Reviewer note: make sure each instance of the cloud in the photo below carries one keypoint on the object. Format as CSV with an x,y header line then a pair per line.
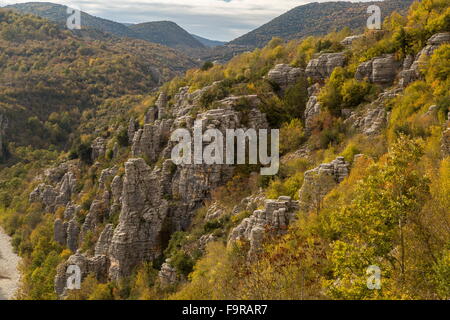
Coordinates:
x,y
214,19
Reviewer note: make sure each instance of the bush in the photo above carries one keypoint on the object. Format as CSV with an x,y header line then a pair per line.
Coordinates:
x,y
291,136
207,65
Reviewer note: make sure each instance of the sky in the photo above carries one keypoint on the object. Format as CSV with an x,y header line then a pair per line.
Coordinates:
x,y
213,19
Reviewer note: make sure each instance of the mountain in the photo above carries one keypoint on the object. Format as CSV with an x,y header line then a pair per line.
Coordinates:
x,y
208,42
362,185
57,13
318,19
166,33
46,69
161,32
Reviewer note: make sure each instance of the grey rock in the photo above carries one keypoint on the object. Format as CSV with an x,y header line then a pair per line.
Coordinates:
x,y
98,148
60,232
348,41
132,127
319,181
412,69
73,232
381,70
96,265
284,75
149,141
167,275
313,107
104,241
322,65
273,220
161,105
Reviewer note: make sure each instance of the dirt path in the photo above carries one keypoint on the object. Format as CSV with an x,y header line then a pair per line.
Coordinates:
x,y
9,275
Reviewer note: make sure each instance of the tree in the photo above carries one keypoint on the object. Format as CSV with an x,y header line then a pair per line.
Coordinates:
x,y
372,227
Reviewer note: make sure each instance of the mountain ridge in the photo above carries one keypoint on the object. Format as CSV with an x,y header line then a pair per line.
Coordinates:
x,y
316,18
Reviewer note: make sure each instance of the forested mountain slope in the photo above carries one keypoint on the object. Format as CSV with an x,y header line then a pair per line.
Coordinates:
x,y
363,180
49,77
318,19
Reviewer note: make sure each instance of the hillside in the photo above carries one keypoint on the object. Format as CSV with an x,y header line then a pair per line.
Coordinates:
x,y
318,19
362,186
49,77
57,13
162,32
166,33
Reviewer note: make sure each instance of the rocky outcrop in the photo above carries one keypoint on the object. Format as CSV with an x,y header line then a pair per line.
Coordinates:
x,y
168,275
274,219
381,70
156,201
348,41
98,148
412,66
132,127
313,107
372,118
161,106
60,232
97,266
369,121
322,65
319,181
215,211
149,141
284,75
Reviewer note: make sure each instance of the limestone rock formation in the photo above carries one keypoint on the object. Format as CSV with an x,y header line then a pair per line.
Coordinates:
x,y
284,75
60,232
156,201
348,41
96,265
98,148
319,181
369,121
313,107
412,66
167,275
149,141
373,118
161,105
215,211
322,65
132,127
381,70
273,219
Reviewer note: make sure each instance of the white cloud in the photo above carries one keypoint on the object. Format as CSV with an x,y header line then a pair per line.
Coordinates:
x,y
214,19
